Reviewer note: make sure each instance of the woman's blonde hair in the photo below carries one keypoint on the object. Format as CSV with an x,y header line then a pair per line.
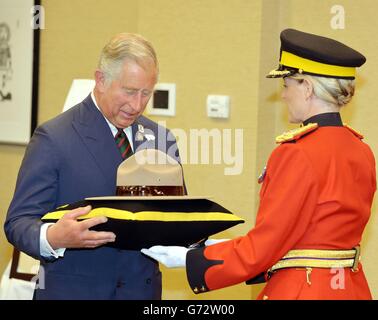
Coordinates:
x,y
126,46
331,90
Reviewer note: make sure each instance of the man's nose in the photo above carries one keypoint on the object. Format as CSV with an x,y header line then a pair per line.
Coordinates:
x,y
137,102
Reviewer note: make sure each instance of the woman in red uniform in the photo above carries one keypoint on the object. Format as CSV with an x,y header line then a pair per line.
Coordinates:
x,y
316,192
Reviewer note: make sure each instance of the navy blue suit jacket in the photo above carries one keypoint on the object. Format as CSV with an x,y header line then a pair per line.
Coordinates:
x,y
69,158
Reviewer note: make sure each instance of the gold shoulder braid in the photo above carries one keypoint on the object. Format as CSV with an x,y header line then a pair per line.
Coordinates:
x,y
295,134
355,132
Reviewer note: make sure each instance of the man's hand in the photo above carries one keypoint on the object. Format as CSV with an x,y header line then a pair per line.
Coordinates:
x,y
67,232
170,256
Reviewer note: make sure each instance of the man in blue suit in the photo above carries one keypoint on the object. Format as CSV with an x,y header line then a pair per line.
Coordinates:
x,y
74,156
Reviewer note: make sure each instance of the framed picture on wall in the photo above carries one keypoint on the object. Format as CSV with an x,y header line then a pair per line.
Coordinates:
x,y
23,267
20,22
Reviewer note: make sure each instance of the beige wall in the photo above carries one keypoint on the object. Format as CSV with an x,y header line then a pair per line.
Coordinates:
x,y
205,47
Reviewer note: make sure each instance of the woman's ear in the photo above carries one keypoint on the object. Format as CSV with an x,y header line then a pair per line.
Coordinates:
x,y
308,88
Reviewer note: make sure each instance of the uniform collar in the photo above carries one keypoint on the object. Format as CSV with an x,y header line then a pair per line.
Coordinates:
x,y
330,119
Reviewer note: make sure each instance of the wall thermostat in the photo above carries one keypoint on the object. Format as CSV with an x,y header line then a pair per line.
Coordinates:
x,y
218,106
163,100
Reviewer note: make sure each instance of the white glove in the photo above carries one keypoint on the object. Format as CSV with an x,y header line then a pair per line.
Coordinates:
x,y
170,256
209,242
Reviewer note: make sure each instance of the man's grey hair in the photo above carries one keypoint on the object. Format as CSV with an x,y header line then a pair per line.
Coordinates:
x,y
126,46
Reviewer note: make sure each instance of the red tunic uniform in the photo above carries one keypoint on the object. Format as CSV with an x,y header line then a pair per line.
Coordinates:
x,y
317,194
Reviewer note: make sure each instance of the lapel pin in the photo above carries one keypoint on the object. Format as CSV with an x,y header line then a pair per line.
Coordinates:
x,y
139,136
149,137
140,133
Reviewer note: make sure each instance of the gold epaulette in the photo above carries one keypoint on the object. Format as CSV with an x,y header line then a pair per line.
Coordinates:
x,y
355,132
295,134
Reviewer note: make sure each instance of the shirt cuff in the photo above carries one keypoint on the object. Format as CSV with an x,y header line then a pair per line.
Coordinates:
x,y
45,248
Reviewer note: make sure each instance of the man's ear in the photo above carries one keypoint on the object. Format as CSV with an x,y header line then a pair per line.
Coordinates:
x,y
100,80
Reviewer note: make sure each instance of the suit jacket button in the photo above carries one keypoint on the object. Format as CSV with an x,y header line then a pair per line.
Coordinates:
x,y
148,280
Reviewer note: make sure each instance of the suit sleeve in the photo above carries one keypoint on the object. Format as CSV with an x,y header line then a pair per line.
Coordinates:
x,y
34,194
287,201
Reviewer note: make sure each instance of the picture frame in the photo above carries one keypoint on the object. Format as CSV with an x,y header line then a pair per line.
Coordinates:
x,y
20,266
19,69
163,100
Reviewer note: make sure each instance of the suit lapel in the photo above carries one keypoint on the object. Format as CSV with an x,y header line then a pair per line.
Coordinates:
x,y
98,139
